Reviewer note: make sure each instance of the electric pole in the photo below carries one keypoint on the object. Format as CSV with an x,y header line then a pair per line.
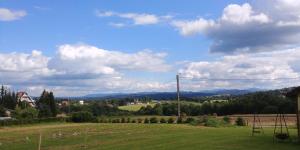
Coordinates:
x,y
178,98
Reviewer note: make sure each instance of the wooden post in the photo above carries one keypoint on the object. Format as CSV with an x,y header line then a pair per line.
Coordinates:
x,y
178,96
40,141
298,115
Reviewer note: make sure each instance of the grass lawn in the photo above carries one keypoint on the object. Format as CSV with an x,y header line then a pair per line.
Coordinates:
x,y
137,136
134,107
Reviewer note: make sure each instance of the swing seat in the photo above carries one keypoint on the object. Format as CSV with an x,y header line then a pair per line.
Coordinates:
x,y
282,136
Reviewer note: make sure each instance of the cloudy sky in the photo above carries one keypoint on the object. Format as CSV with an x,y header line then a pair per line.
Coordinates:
x,y
77,47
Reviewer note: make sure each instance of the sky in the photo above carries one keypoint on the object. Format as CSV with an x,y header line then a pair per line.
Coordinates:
x,y
78,47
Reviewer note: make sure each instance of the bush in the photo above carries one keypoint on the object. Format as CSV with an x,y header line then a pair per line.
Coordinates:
x,y
213,122
163,120
123,120
133,121
226,119
240,122
27,113
30,121
139,120
179,120
189,120
171,120
128,120
153,120
82,116
116,121
146,120
2,111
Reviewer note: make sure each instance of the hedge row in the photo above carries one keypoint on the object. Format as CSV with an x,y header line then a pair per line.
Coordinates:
x,y
31,121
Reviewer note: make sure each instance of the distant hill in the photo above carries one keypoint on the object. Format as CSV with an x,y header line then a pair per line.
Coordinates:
x,y
170,95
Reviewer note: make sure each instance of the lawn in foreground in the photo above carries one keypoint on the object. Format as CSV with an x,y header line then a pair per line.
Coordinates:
x,y
137,136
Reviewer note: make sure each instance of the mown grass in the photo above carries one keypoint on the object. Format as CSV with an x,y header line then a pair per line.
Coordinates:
x,y
137,136
134,107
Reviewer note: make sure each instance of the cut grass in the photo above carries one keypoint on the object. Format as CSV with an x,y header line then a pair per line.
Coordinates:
x,y
134,107
137,136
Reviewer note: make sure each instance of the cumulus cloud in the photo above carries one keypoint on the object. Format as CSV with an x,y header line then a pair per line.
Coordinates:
x,y
137,18
82,68
263,70
244,28
10,15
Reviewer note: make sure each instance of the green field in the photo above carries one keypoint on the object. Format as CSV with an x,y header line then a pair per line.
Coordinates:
x,y
134,107
137,136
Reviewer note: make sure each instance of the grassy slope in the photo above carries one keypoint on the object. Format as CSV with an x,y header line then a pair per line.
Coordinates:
x,y
134,107
137,136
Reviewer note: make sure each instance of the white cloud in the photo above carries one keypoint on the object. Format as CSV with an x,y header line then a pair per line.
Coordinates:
x,y
281,65
241,14
10,15
269,26
137,18
187,28
90,59
117,25
81,69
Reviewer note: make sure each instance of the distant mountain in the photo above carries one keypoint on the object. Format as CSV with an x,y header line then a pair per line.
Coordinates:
x,y
170,95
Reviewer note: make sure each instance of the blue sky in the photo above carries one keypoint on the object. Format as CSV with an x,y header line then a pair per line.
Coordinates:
x,y
199,39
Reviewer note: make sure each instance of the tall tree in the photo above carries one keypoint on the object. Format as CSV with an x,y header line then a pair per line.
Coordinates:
x,y
47,105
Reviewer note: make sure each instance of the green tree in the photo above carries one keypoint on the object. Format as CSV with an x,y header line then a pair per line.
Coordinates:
x,y
47,105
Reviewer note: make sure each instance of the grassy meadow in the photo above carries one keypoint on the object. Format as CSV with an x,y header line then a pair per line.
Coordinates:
x,y
71,136
135,107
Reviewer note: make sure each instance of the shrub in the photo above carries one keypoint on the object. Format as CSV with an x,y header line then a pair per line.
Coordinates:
x,y
213,122
226,119
146,120
133,121
171,120
163,120
240,122
153,120
189,120
82,116
128,120
2,111
123,120
179,120
139,120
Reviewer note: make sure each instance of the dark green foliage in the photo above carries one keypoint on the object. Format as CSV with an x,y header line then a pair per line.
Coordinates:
x,y
240,122
189,120
163,120
26,113
180,120
213,122
47,105
8,99
226,119
123,120
146,120
30,121
128,120
2,111
153,120
133,121
171,120
82,116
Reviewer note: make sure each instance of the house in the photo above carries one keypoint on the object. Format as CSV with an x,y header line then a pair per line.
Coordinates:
x,y
81,102
24,97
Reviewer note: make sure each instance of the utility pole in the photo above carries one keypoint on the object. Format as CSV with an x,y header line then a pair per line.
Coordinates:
x,y
178,98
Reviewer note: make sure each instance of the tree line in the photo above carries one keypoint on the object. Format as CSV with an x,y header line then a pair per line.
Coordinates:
x,y
45,105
